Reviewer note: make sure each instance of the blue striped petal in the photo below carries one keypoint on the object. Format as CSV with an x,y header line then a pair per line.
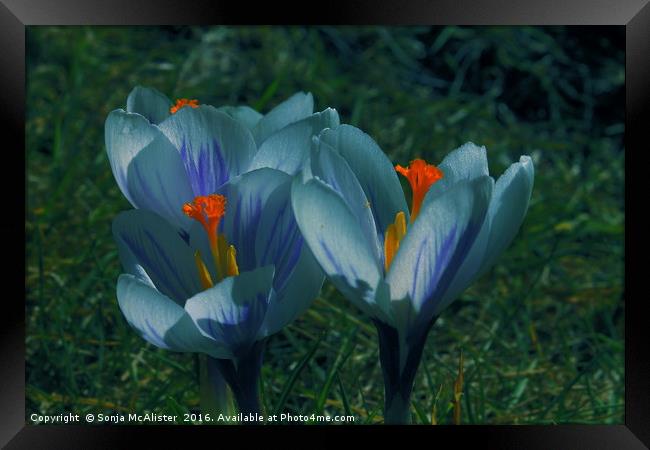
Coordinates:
x,y
246,197
374,171
157,181
505,214
213,146
160,320
278,240
434,247
287,149
232,312
296,107
329,166
335,238
150,103
301,288
146,240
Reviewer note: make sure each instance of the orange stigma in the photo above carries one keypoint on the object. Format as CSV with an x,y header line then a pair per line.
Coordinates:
x,y
208,211
420,176
184,102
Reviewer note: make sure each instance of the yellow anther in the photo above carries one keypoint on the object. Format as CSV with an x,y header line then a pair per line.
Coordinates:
x,y
394,235
232,268
204,274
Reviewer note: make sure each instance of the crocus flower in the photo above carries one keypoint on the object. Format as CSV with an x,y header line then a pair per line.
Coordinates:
x,y
240,275
162,154
404,267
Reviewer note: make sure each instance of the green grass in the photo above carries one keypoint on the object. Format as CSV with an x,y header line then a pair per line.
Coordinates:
x,y
541,334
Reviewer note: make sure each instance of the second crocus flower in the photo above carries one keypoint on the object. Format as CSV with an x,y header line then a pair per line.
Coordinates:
x,y
403,267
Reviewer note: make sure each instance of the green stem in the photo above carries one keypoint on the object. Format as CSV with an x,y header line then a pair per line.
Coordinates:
x,y
215,398
242,375
399,370
397,410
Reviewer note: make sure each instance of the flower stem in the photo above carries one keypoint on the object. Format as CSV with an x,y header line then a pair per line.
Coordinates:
x,y
215,398
242,375
399,370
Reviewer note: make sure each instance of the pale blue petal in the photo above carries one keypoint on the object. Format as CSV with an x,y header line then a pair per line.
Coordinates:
x,y
302,287
150,103
145,239
337,242
278,240
245,115
126,135
374,171
287,149
329,166
508,208
161,321
435,246
232,312
213,146
469,268
157,181
296,107
467,162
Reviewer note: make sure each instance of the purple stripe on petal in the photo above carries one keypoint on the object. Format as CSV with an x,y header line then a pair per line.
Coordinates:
x,y
287,264
431,275
267,249
221,164
165,278
207,170
237,326
283,247
242,227
333,261
146,197
446,270
416,269
462,249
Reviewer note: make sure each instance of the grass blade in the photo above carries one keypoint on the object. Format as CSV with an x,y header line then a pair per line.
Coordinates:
x,y
346,350
296,372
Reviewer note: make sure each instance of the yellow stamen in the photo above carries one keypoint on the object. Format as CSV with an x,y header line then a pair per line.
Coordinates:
x,y
421,177
204,274
181,102
394,235
232,268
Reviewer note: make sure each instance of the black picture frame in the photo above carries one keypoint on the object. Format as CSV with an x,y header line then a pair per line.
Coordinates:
x,y
634,15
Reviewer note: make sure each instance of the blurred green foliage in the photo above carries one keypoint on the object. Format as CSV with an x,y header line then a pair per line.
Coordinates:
x,y
541,334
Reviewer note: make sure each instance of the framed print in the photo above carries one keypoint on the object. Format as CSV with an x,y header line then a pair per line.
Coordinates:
x,y
388,219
